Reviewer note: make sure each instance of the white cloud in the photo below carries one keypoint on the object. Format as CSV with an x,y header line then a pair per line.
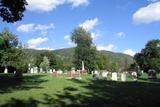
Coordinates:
x,y
121,34
148,14
76,3
95,35
33,43
49,5
109,47
44,27
89,24
25,27
129,52
43,5
39,28
68,39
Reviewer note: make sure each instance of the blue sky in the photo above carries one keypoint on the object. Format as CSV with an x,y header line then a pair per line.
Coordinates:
x,y
116,25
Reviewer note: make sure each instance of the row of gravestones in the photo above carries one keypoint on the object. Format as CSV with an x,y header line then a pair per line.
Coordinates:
x,y
114,76
35,70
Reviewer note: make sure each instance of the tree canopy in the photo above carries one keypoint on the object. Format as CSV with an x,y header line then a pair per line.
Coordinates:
x,y
12,10
85,50
149,57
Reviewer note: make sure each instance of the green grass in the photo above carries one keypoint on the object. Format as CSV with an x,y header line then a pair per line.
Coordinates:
x,y
43,90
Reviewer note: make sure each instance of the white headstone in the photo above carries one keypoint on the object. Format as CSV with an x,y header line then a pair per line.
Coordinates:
x,y
123,77
134,75
29,67
59,71
92,72
41,70
114,76
73,71
95,75
35,70
96,72
104,74
32,71
50,71
83,66
142,71
5,70
54,70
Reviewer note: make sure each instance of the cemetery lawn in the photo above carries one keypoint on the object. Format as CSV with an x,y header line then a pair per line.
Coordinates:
x,y
43,90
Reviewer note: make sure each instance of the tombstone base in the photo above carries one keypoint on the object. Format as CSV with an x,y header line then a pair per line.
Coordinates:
x,y
69,78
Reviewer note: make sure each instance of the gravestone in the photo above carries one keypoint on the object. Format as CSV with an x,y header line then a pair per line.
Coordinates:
x,y
69,75
73,70
104,75
5,71
29,67
92,72
123,77
41,70
142,72
32,71
134,76
83,69
54,70
78,75
35,70
50,71
114,76
95,75
60,72
152,74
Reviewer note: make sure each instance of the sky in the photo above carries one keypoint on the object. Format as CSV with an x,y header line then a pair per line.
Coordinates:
x,y
123,26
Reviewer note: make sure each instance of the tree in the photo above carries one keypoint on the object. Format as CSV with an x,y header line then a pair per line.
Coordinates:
x,y
12,53
8,40
149,57
102,61
45,64
12,10
114,67
85,50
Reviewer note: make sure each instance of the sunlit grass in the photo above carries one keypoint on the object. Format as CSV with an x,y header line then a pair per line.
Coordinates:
x,y
45,90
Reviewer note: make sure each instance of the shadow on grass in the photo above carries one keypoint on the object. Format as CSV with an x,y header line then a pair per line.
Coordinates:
x,y
98,93
103,93
21,103
9,84
108,94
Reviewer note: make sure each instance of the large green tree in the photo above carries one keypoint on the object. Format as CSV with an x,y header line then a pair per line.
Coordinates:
x,y
12,10
85,49
149,57
12,53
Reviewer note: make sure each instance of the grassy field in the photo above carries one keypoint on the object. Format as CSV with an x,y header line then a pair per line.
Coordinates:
x,y
43,90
